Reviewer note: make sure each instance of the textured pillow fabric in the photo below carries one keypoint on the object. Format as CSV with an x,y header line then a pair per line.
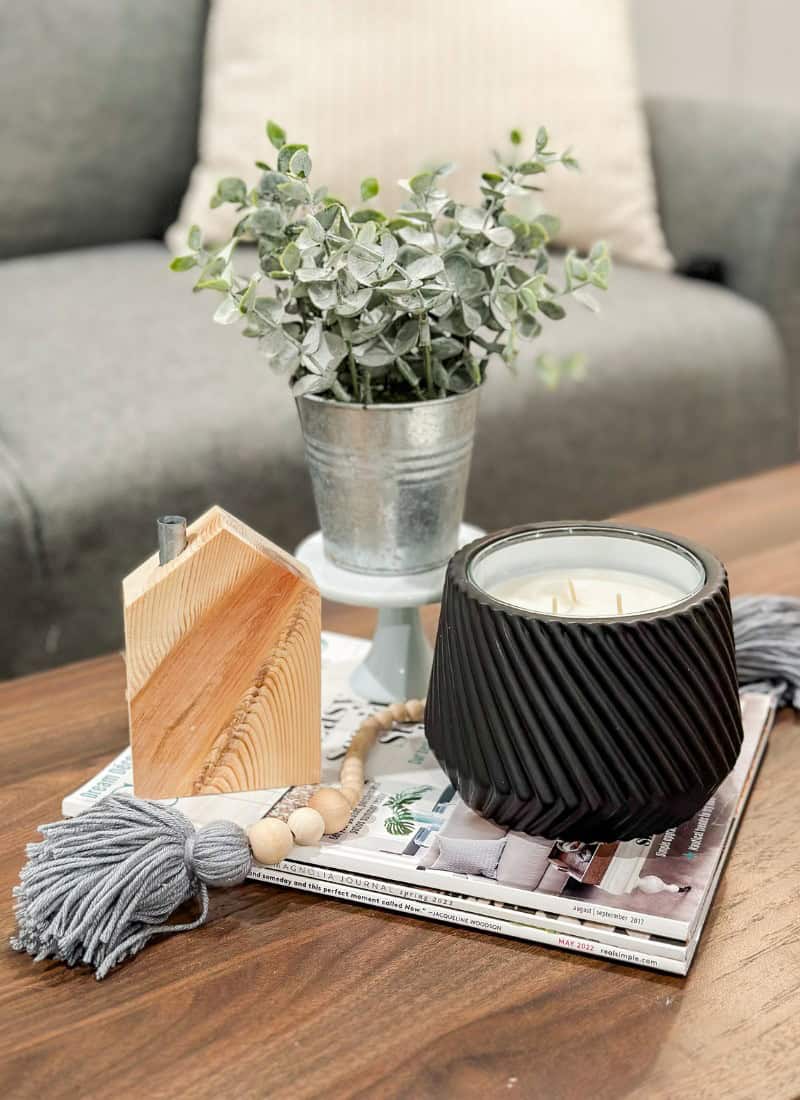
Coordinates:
x,y
429,854
469,857
524,861
464,822
386,89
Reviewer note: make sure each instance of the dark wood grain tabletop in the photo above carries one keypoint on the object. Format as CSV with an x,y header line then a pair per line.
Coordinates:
x,y
292,995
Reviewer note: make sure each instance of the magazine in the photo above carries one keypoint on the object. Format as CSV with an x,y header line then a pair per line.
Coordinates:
x,y
552,929
401,837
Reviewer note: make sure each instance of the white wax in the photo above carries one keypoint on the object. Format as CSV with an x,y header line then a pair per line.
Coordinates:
x,y
587,592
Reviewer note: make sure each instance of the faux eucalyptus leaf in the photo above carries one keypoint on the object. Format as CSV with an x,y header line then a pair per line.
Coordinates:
x,y
374,357
300,164
553,310
425,267
323,295
354,304
227,312
285,154
471,316
501,236
312,274
281,354
362,266
472,220
369,188
230,189
312,383
311,340
276,134
490,255
406,337
183,263
445,347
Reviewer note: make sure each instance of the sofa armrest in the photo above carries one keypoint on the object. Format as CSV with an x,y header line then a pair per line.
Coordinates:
x,y
728,180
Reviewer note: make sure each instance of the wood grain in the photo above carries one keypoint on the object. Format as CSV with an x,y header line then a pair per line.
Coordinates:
x,y
294,996
223,666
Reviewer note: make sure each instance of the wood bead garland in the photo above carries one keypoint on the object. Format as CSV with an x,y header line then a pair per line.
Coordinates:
x,y
328,809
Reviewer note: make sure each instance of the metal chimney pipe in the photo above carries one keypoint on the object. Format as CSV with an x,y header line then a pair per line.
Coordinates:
x,y
171,537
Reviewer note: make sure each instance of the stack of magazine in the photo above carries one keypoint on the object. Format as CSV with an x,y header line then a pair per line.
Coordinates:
x,y
414,847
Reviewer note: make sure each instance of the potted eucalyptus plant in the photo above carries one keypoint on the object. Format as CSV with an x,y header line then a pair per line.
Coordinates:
x,y
385,327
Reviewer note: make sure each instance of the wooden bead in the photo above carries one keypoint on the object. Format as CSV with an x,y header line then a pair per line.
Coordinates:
x,y
384,718
351,774
270,839
398,711
361,743
352,792
370,725
307,825
333,806
416,709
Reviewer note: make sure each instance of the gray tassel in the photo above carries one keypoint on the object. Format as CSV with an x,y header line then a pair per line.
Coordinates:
x,y
98,886
767,634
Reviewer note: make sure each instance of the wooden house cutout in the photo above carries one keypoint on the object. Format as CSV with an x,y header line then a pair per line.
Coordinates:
x,y
223,665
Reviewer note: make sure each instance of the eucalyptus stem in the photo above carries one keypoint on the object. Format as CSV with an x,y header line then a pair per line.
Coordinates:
x,y
353,373
425,343
426,354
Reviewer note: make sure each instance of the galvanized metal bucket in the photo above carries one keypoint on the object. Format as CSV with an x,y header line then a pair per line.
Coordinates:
x,y
389,481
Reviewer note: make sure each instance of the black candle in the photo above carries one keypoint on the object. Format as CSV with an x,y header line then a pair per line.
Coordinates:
x,y
561,712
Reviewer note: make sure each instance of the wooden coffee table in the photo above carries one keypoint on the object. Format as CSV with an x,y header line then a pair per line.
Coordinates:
x,y
290,995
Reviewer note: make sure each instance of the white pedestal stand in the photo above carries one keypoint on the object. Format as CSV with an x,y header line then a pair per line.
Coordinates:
x,y
398,664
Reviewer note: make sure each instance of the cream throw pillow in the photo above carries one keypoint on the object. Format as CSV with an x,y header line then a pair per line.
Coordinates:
x,y
385,87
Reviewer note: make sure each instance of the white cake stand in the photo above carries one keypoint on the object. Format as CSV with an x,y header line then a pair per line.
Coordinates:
x,y
398,665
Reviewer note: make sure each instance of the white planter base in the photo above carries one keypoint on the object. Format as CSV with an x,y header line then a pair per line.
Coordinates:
x,y
398,664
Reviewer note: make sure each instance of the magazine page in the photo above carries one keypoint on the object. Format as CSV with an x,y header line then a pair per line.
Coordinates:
x,y
412,827
627,939
412,907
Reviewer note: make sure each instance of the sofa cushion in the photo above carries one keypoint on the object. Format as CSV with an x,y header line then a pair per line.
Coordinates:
x,y
464,824
524,861
469,857
388,89
100,105
122,401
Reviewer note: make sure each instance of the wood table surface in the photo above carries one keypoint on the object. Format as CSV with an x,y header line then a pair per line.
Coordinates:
x,y
285,994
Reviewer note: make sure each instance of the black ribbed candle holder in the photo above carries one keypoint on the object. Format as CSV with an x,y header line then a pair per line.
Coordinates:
x,y
592,729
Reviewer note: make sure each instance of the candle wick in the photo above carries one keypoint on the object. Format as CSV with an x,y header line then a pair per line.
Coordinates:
x,y
573,594
555,605
619,603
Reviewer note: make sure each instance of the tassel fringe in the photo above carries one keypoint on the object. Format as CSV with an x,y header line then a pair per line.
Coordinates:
x,y
767,634
100,885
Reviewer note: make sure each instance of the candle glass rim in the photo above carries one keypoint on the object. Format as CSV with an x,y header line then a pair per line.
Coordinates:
x,y
697,556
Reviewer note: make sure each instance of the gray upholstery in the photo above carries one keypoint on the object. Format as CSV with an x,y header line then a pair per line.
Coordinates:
x,y
129,402
686,385
100,108
729,187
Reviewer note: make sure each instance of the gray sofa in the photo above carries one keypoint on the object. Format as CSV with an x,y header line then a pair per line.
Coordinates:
x,y
120,400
